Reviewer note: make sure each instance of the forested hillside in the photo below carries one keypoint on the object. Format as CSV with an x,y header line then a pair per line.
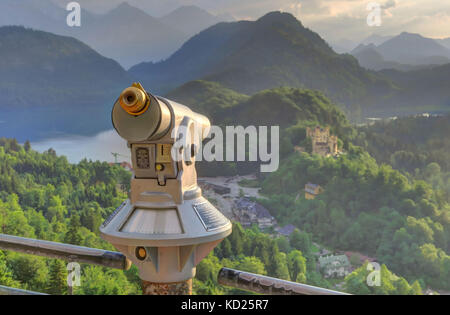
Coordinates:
x,y
417,146
43,196
420,91
52,84
367,207
290,108
209,98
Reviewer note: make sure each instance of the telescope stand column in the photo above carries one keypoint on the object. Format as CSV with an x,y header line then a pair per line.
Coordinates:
x,y
173,288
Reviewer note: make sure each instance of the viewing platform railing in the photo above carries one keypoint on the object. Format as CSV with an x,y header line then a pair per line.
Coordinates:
x,y
267,285
72,253
66,252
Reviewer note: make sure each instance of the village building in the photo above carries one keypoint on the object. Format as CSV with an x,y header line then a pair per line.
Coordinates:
x,y
323,143
286,230
218,189
312,191
248,212
334,266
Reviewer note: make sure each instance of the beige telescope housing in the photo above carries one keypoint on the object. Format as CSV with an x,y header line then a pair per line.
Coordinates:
x,y
166,227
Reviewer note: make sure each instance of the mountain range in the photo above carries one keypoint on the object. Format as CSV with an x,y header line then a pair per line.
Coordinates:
x,y
413,49
192,19
347,45
403,52
276,50
370,58
444,42
52,84
125,33
128,35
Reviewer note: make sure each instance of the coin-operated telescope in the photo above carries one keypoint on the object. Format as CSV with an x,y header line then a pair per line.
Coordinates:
x,y
166,227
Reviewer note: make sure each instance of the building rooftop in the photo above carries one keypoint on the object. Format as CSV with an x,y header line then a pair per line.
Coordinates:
x,y
286,230
253,207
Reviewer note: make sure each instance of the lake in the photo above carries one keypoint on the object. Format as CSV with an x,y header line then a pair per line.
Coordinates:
x,y
76,148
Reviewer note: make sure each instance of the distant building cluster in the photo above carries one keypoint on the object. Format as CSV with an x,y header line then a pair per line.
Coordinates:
x,y
248,212
334,266
323,143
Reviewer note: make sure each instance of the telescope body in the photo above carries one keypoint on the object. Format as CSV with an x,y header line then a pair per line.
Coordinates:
x,y
166,227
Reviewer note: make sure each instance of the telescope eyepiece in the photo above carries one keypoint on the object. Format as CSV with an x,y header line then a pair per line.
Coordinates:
x,y
134,101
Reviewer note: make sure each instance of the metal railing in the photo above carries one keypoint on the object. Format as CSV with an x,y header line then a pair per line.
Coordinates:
x,y
72,253
66,252
13,291
267,285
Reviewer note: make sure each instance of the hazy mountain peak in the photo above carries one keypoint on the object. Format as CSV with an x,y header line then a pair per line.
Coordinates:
x,y
413,49
376,39
190,19
279,17
190,8
363,47
410,35
126,9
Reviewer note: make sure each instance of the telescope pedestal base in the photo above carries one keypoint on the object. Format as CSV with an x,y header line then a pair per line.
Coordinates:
x,y
174,288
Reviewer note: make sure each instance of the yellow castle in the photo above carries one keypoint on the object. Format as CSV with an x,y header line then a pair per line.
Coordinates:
x,y
323,143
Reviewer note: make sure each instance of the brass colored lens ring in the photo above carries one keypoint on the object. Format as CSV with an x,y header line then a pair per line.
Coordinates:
x,y
147,105
138,104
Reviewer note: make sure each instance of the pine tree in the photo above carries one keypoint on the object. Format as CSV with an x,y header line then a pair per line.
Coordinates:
x,y
27,145
416,289
6,278
57,284
73,235
227,251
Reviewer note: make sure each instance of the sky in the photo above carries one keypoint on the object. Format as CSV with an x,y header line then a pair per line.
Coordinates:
x,y
332,19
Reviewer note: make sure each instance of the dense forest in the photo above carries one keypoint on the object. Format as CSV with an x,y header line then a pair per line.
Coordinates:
x,y
367,207
45,197
417,146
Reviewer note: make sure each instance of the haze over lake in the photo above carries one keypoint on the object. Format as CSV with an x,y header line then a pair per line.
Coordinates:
x,y
76,148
